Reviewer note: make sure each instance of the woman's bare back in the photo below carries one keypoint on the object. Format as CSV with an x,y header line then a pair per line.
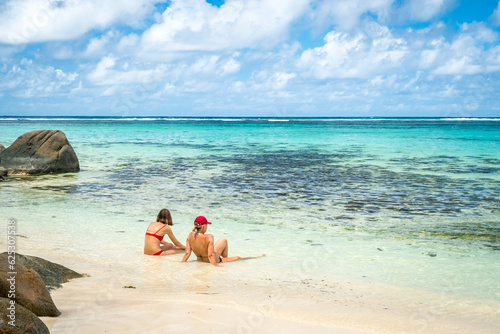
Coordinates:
x,y
200,245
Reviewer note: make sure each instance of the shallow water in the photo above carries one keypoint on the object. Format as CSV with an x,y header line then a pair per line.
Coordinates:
x,y
399,201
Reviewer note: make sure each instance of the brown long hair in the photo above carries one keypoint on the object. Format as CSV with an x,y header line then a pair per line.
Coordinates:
x,y
164,217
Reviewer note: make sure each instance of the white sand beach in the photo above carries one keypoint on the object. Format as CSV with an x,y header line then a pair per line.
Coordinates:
x,y
182,297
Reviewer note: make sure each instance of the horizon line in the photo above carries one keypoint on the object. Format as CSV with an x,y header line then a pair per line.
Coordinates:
x,y
247,117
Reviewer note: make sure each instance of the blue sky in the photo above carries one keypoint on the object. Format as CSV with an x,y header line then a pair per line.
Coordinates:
x,y
302,58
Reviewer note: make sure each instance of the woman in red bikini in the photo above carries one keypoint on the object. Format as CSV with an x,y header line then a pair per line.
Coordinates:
x,y
154,244
204,248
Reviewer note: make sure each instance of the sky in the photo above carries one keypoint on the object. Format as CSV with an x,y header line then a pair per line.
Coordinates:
x,y
252,58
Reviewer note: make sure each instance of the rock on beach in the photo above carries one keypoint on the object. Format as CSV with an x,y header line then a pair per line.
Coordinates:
x,y
30,291
25,321
51,273
33,276
39,152
25,285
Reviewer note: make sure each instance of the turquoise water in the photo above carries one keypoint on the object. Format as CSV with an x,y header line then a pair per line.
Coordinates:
x,y
407,202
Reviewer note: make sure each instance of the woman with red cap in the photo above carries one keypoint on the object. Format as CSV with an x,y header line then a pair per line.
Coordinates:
x,y
203,245
154,244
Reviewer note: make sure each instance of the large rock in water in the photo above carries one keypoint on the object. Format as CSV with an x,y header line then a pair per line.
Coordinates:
x,y
40,152
25,321
2,147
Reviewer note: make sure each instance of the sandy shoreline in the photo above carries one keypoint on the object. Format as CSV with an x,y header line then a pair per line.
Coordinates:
x,y
181,298
128,292
120,304
128,311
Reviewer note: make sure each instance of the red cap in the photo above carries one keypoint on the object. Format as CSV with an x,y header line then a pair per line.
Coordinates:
x,y
200,220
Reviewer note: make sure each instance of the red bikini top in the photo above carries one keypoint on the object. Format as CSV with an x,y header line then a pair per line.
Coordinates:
x,y
159,237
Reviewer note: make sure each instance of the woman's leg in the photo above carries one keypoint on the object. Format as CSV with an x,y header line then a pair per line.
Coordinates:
x,y
169,247
221,247
169,252
231,259
236,258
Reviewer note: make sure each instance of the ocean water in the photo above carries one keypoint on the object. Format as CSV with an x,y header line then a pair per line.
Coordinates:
x,y
404,202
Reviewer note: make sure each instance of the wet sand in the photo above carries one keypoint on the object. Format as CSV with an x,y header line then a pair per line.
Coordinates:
x,y
168,296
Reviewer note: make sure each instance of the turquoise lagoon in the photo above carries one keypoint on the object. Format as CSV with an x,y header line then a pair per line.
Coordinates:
x,y
404,202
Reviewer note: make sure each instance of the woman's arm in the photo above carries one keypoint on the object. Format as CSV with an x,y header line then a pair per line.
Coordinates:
x,y
173,238
188,251
210,250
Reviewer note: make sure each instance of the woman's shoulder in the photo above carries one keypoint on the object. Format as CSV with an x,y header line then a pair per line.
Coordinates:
x,y
165,228
152,224
158,226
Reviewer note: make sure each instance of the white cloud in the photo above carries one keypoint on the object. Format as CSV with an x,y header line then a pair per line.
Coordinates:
x,y
427,58
65,78
354,56
128,43
29,21
107,72
423,10
28,79
495,17
229,67
376,51
204,65
237,86
346,13
492,59
480,32
463,65
195,25
197,74
102,69
271,81
465,54
98,46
